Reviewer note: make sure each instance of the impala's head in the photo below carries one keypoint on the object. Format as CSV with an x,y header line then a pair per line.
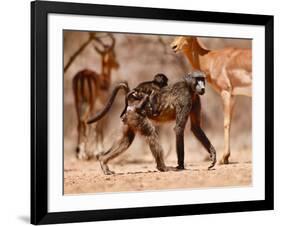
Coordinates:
x,y
196,81
182,42
107,53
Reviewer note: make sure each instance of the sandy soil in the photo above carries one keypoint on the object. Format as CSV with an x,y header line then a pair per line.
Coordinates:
x,y
87,177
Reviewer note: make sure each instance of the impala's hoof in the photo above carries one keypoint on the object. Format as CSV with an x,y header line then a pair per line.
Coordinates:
x,y
224,161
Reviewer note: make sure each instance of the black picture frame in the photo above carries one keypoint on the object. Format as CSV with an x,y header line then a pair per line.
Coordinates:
x,y
39,112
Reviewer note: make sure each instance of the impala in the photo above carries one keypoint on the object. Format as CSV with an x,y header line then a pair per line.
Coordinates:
x,y
228,71
88,88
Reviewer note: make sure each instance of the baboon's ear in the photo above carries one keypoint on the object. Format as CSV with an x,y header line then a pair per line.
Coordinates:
x,y
189,79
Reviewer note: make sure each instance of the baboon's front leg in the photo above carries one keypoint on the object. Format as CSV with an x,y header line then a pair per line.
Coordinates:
x,y
119,146
201,136
195,118
181,119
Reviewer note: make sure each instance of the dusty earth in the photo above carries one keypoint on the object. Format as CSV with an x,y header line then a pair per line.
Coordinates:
x,y
87,177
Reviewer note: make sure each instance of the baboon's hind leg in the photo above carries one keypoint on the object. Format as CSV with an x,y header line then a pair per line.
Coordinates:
x,y
148,130
119,146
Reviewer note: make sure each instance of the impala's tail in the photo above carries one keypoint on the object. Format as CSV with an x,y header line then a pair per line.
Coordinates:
x,y
101,114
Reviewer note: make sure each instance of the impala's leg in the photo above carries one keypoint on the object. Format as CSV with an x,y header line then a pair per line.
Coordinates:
x,y
228,104
82,151
119,146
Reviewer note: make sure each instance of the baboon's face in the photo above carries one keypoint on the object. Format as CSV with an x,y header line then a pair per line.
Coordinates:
x,y
196,80
182,42
200,85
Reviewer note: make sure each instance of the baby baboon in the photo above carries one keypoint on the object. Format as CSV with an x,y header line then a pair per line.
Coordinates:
x,y
150,88
176,102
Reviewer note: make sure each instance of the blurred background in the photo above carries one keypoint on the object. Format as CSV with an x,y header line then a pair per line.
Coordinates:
x,y
140,58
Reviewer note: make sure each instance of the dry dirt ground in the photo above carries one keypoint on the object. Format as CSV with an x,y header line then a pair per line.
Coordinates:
x,y
87,177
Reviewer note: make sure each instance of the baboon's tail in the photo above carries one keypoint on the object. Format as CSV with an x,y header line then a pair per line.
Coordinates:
x,y
101,114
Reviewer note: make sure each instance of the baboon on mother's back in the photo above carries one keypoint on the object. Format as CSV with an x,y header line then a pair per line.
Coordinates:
x,y
148,89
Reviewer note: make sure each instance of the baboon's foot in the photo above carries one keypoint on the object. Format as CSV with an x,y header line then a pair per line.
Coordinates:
x,y
105,169
166,168
172,168
108,172
162,168
224,159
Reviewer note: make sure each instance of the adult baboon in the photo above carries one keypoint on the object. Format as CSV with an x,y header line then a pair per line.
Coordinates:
x,y
176,102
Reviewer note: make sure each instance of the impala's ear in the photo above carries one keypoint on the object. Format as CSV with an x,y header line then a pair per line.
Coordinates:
x,y
201,43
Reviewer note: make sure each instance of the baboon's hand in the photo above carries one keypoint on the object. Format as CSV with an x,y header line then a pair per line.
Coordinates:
x,y
213,157
178,168
212,164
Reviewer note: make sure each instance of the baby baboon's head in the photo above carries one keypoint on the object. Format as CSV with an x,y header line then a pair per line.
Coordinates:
x,y
161,80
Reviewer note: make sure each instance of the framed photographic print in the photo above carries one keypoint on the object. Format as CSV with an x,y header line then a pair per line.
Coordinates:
x,y
144,112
